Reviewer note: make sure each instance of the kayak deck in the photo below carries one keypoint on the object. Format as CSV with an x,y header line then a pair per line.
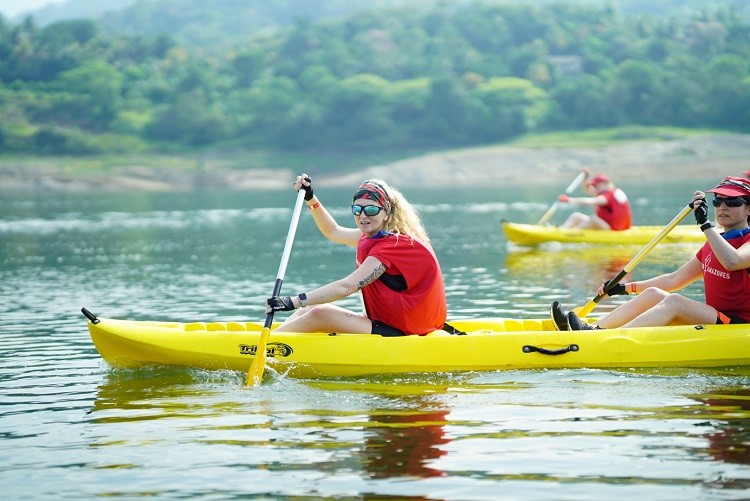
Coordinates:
x,y
489,345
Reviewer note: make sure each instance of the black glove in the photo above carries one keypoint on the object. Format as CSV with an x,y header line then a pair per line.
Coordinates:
x,y
308,190
617,290
701,212
280,303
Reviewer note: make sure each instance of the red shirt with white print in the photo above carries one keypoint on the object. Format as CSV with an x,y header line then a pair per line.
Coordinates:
x,y
727,291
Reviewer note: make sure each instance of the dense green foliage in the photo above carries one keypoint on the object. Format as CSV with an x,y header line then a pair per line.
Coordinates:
x,y
390,78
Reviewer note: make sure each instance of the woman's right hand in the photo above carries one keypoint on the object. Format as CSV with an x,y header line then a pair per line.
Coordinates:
x,y
304,182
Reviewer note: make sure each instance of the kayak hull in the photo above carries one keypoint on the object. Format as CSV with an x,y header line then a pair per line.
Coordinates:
x,y
534,234
489,345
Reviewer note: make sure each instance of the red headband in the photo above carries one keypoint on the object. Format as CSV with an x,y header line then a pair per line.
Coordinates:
x,y
374,191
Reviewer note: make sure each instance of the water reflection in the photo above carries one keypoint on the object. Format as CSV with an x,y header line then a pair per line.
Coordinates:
x,y
651,433
153,393
404,443
592,264
729,440
405,433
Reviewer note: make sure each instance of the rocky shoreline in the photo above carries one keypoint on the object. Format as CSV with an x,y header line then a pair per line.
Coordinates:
x,y
703,156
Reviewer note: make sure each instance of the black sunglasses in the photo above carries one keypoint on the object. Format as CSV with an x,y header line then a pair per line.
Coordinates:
x,y
369,210
730,202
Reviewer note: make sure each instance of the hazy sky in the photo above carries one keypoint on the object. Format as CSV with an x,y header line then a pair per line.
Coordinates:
x,y
11,8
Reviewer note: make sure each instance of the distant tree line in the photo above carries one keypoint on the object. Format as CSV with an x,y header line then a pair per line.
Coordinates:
x,y
389,78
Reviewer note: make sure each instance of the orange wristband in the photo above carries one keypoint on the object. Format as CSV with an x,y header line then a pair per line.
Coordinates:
x,y
632,288
314,206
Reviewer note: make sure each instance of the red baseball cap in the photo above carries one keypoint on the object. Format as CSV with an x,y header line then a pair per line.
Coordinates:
x,y
733,186
600,178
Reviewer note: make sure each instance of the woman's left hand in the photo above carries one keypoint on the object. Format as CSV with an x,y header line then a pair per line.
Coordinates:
x,y
700,207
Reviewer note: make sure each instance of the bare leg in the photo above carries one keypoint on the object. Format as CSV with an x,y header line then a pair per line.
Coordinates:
x,y
574,220
678,310
584,222
326,318
655,307
595,223
632,309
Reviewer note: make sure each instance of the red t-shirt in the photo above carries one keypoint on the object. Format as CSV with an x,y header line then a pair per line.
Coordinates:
x,y
727,291
617,211
419,309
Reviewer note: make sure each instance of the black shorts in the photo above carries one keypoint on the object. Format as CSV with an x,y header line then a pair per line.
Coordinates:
x,y
724,319
386,330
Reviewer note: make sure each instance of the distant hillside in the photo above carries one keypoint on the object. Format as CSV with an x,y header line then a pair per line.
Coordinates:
x,y
222,23
75,9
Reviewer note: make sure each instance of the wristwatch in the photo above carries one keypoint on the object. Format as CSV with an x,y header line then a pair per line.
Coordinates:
x,y
302,300
707,225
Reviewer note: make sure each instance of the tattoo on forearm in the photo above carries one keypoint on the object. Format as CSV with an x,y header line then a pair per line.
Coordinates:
x,y
371,277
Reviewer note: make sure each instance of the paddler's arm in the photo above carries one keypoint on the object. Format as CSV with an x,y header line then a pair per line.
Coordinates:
x,y
730,258
670,282
323,219
597,200
364,275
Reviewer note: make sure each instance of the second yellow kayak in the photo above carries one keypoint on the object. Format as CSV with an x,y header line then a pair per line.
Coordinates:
x,y
534,234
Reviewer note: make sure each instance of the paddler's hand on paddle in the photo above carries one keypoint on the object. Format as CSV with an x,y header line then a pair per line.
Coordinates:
x,y
700,208
617,290
304,182
563,198
279,303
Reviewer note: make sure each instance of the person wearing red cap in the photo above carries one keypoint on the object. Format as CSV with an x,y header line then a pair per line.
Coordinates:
x,y
611,203
396,271
723,263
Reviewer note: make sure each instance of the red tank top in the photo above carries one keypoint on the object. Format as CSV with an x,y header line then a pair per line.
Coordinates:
x,y
419,309
727,291
617,211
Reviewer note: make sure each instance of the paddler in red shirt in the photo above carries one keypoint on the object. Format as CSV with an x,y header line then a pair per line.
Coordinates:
x,y
396,270
723,263
611,203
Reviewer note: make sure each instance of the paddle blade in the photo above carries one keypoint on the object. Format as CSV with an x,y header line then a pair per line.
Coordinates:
x,y
258,365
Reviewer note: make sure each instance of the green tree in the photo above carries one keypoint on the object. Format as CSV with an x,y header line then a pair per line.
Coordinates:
x,y
515,105
98,86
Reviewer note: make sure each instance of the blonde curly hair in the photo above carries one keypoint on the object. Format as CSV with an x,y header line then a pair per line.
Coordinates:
x,y
403,217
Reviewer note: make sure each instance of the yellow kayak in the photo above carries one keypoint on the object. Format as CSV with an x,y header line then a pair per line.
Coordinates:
x,y
488,345
534,234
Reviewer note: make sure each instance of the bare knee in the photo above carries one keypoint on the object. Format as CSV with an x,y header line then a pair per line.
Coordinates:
x,y
654,294
318,315
679,306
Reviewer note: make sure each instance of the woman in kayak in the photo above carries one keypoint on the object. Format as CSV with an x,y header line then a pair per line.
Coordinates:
x,y
611,203
723,262
396,270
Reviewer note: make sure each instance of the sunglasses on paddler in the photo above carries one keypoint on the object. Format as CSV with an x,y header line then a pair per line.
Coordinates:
x,y
369,210
730,201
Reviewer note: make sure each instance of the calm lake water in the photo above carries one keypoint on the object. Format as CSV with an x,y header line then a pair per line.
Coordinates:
x,y
73,428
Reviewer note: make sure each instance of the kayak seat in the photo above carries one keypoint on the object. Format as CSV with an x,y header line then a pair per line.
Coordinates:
x,y
513,325
533,325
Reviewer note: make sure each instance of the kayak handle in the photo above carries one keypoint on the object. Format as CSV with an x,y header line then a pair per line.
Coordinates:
x,y
545,351
90,316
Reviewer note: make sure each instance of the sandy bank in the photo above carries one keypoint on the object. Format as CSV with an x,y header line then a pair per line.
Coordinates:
x,y
690,157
